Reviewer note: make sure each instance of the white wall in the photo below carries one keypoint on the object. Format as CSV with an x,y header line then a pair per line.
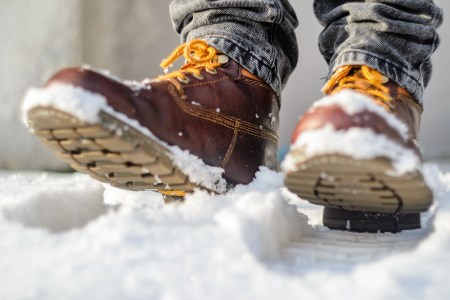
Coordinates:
x,y
130,38
37,38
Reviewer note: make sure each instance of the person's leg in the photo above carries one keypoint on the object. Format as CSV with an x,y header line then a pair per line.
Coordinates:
x,y
355,151
258,34
395,37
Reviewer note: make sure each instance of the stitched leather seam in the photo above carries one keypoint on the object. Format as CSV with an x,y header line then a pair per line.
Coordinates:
x,y
255,82
226,121
240,76
232,144
206,82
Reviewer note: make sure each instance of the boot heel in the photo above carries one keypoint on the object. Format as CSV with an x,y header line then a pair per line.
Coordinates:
x,y
359,221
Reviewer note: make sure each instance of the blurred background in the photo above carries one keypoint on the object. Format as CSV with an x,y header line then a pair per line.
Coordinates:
x,y
130,38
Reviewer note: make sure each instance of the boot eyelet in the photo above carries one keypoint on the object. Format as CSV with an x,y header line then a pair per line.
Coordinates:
x,y
211,71
199,76
223,60
183,80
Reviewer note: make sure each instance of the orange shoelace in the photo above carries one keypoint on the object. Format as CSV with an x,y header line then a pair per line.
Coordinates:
x,y
198,55
362,79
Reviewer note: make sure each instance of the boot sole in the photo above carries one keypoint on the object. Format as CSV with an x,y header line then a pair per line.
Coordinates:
x,y
110,151
348,184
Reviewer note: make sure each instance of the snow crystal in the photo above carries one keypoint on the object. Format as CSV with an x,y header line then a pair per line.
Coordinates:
x,y
135,86
146,82
360,143
86,67
157,180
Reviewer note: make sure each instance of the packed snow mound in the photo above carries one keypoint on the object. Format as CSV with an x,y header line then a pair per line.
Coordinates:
x,y
353,103
69,237
359,143
79,102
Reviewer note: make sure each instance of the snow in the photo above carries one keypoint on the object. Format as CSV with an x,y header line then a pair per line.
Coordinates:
x,y
198,171
65,236
136,86
66,98
353,102
87,107
360,143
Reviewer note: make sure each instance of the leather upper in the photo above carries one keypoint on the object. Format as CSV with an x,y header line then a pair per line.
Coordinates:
x,y
227,119
401,105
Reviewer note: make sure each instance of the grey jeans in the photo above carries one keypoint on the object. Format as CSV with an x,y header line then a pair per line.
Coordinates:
x,y
396,37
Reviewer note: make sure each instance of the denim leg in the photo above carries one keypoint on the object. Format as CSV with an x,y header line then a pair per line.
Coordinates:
x,y
396,37
258,34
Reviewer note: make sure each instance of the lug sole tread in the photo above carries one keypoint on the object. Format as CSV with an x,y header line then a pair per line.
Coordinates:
x,y
111,152
343,182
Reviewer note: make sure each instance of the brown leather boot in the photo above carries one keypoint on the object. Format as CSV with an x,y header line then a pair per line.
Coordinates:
x,y
210,124
355,152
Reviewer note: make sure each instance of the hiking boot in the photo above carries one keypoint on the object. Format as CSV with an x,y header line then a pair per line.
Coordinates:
x,y
355,153
210,124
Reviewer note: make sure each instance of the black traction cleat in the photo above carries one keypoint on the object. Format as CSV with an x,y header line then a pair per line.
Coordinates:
x,y
372,222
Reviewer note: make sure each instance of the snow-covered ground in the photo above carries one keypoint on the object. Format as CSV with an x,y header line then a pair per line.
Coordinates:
x,y
65,236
